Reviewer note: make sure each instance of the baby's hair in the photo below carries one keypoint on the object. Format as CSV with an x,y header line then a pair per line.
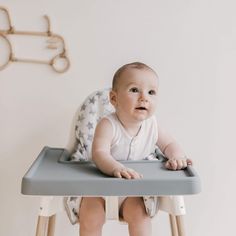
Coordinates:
x,y
133,65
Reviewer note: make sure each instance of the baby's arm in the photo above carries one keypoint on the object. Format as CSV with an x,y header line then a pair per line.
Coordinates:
x,y
177,159
101,154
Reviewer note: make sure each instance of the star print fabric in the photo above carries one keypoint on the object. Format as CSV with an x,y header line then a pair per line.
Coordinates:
x,y
92,110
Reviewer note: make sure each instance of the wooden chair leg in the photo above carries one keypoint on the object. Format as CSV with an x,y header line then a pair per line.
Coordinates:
x,y
180,225
51,225
42,226
46,225
173,225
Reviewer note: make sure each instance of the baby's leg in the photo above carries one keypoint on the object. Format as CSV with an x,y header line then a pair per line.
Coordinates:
x,y
91,216
134,213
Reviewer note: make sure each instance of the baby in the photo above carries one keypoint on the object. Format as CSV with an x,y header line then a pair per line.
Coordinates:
x,y
130,133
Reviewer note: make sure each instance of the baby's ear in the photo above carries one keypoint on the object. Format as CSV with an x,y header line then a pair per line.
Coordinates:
x,y
113,98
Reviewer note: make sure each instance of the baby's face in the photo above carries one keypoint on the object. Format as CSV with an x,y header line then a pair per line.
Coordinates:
x,y
135,98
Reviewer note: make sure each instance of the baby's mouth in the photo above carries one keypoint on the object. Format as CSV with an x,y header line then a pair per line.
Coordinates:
x,y
141,108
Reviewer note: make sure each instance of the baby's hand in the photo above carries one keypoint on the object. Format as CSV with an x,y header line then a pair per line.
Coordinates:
x,y
178,164
127,173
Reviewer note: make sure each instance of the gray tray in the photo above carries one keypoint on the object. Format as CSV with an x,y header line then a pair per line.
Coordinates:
x,y
53,174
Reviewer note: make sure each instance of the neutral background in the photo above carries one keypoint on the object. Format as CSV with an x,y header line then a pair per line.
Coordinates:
x,y
192,46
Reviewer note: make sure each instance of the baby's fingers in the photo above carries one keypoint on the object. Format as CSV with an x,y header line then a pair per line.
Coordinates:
x,y
171,164
121,173
177,164
117,174
127,173
134,174
181,164
189,161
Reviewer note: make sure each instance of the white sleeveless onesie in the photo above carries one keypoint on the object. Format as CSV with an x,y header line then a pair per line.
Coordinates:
x,y
125,147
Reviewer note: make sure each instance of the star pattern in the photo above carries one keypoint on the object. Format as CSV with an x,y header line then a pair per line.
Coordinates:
x,y
92,110
81,118
99,94
92,100
90,125
83,107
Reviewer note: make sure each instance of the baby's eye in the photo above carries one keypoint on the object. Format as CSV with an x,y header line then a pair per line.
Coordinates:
x,y
152,92
134,90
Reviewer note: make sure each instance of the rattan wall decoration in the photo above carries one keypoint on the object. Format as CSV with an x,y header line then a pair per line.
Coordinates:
x,y
59,62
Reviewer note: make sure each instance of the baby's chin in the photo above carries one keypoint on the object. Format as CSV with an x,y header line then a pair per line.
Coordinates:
x,y
142,117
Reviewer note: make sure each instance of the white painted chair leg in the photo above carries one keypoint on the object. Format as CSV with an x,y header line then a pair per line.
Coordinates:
x,y
173,205
50,205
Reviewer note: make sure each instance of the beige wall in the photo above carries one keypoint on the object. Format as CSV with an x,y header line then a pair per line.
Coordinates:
x,y
191,44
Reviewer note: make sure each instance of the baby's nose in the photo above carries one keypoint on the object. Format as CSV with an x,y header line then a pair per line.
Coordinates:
x,y
143,97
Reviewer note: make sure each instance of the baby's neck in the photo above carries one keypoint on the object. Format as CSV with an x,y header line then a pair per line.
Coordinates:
x,y
132,128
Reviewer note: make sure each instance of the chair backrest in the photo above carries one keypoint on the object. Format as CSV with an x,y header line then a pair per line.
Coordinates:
x,y
95,106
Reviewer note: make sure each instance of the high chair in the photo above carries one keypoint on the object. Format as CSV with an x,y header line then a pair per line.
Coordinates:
x,y
59,172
